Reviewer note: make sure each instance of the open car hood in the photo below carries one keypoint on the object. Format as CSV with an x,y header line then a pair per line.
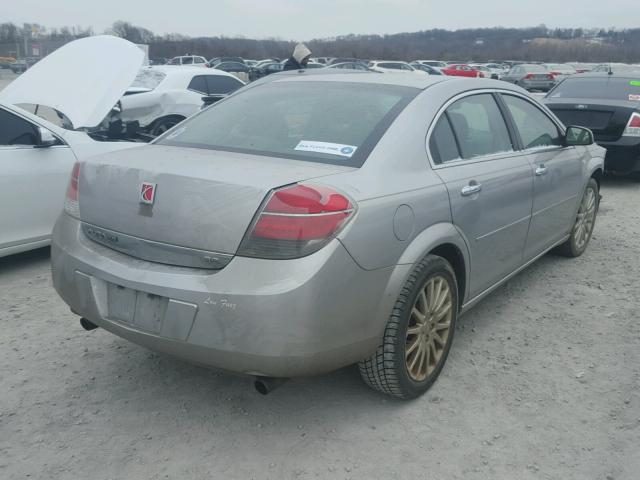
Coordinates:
x,y
84,79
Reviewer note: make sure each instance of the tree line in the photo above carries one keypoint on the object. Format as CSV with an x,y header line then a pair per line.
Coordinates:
x,y
479,44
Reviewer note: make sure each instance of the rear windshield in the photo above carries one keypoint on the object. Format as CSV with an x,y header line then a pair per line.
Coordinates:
x,y
326,122
607,88
534,68
148,79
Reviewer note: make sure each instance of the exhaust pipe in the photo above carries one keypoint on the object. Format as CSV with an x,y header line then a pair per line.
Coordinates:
x,y
266,385
87,325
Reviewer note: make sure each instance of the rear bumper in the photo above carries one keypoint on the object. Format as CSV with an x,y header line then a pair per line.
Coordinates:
x,y
623,155
260,317
537,84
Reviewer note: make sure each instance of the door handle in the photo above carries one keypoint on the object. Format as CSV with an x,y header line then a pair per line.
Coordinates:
x,y
471,189
541,170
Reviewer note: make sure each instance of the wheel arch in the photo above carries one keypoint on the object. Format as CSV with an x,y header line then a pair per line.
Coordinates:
x,y
597,175
442,239
153,125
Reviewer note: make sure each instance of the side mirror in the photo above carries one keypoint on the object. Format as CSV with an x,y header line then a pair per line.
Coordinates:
x,y
46,138
577,136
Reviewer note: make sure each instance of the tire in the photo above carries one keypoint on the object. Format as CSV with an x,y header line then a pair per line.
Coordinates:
x,y
164,124
579,239
389,369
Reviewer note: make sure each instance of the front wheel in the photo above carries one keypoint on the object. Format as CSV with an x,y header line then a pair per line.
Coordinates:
x,y
584,223
419,333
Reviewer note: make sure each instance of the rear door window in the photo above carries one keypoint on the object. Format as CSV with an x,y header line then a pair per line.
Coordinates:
x,y
442,143
536,129
198,84
187,60
221,84
479,126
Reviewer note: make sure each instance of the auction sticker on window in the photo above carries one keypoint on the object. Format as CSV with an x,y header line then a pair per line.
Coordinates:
x,y
326,147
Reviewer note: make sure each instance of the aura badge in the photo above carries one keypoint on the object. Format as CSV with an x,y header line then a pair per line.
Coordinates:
x,y
147,193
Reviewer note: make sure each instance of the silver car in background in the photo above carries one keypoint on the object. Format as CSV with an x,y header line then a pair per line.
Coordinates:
x,y
313,221
530,77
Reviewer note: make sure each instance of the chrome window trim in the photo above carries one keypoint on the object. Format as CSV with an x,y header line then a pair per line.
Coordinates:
x,y
493,156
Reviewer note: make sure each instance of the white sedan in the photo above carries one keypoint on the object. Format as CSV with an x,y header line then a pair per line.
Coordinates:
x,y
163,96
386,66
82,81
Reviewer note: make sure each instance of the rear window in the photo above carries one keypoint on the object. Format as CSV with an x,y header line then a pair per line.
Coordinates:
x,y
148,79
534,68
327,122
607,88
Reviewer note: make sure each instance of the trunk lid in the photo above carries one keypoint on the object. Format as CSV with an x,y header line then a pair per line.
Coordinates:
x,y
606,118
204,200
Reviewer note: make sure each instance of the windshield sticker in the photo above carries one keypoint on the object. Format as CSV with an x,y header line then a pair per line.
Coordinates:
x,y
635,83
325,147
634,98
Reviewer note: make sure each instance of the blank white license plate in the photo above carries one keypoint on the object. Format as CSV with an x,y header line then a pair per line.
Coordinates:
x,y
140,309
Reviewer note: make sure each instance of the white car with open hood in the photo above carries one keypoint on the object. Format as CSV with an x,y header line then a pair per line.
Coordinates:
x,y
82,82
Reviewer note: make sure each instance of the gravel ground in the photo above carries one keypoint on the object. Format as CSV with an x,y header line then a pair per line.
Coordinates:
x,y
542,383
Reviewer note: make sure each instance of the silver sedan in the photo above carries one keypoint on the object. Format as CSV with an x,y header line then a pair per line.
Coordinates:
x,y
312,221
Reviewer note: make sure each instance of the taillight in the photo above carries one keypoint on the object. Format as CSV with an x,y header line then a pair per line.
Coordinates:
x,y
296,221
551,76
528,76
633,126
71,204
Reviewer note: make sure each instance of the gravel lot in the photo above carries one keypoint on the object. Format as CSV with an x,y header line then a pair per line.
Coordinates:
x,y
542,383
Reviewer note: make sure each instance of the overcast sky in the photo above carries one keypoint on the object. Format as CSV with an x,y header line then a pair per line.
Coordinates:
x,y
306,19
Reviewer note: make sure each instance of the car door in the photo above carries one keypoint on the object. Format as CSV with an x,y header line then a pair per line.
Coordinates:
x,y
512,75
489,185
33,182
557,173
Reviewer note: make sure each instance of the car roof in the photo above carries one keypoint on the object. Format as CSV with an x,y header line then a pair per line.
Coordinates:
x,y
400,79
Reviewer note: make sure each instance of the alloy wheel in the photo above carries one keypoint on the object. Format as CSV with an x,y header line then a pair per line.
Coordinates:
x,y
429,328
586,218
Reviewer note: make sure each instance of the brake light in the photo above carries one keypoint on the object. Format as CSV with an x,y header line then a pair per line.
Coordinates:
x,y
528,76
633,126
296,221
551,76
71,204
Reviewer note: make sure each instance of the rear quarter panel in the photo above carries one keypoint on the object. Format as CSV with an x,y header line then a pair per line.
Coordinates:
x,y
398,173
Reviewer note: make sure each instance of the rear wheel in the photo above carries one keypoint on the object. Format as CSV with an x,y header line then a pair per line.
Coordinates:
x,y
419,333
165,124
584,223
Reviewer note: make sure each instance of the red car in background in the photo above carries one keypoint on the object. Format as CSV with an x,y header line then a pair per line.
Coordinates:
x,y
461,70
